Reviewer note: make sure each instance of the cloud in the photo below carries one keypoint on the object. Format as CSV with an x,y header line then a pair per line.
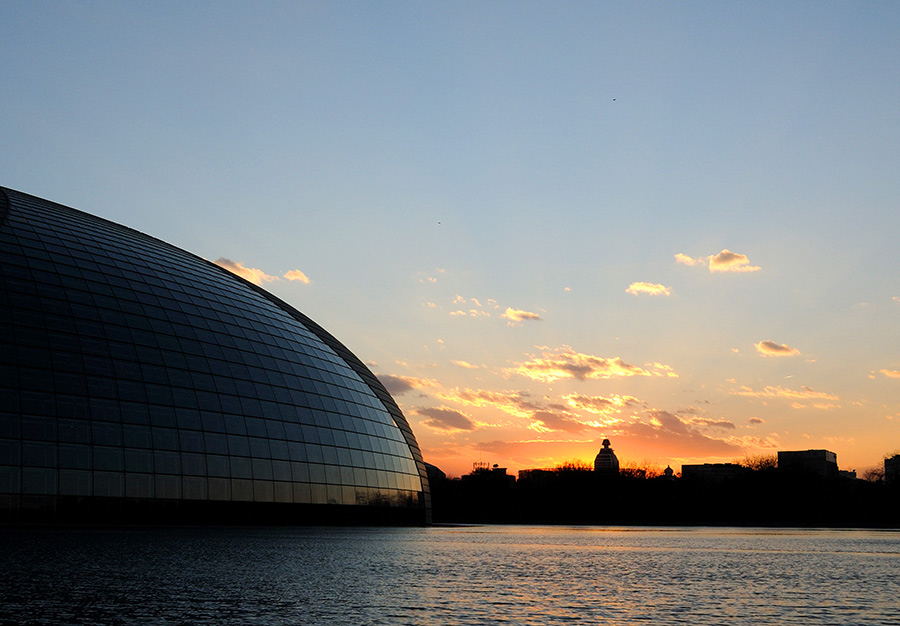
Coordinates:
x,y
728,261
517,403
464,365
566,363
425,278
805,393
252,274
257,276
549,421
665,434
705,421
398,385
600,405
443,418
756,420
652,289
515,316
725,261
686,260
890,373
770,348
298,276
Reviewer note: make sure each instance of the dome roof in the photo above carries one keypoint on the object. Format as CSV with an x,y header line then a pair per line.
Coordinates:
x,y
131,370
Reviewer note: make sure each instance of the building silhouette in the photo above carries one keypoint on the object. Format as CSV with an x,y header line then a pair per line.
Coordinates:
x,y
820,464
713,472
141,382
892,470
606,463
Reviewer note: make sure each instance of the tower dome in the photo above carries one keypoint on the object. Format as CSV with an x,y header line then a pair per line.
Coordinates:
x,y
606,461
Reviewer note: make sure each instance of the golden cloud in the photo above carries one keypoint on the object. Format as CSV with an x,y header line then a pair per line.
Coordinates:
x,y
725,261
686,260
464,365
600,405
652,289
398,385
770,348
728,261
564,362
297,276
805,393
517,403
515,316
444,418
890,373
545,421
251,274
257,276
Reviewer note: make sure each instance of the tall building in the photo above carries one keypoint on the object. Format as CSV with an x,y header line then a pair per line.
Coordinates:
x,y
892,469
606,462
812,463
138,381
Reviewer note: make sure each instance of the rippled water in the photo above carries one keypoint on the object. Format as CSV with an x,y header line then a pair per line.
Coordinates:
x,y
444,575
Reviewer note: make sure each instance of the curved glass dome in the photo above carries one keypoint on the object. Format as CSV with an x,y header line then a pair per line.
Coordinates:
x,y
137,379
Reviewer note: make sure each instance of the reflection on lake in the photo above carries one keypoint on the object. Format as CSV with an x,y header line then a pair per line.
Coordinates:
x,y
448,575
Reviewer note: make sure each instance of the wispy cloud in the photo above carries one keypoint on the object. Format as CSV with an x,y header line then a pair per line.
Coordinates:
x,y
724,261
297,276
398,385
890,373
430,278
600,405
444,418
258,276
516,316
564,362
770,348
686,260
804,393
545,421
252,274
705,421
464,365
652,289
517,403
666,434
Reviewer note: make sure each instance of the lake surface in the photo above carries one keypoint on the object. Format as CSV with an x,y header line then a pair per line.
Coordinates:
x,y
449,575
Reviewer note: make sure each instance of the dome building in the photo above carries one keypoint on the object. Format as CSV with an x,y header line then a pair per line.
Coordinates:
x,y
141,382
606,463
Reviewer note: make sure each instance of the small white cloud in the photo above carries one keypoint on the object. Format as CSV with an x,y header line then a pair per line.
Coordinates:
x,y
728,261
651,289
770,348
298,276
724,261
515,316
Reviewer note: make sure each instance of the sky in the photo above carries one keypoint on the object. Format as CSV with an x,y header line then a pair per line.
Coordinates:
x,y
670,224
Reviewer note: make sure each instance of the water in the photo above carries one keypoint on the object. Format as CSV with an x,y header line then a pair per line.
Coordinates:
x,y
448,575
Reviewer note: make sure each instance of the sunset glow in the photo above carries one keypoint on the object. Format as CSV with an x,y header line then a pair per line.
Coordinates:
x,y
672,225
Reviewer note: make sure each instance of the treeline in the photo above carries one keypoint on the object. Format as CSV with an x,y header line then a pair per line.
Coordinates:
x,y
575,494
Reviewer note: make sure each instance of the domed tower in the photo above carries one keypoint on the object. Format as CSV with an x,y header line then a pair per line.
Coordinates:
x,y
606,461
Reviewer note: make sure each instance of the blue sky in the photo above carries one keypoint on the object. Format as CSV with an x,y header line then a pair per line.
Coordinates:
x,y
473,190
